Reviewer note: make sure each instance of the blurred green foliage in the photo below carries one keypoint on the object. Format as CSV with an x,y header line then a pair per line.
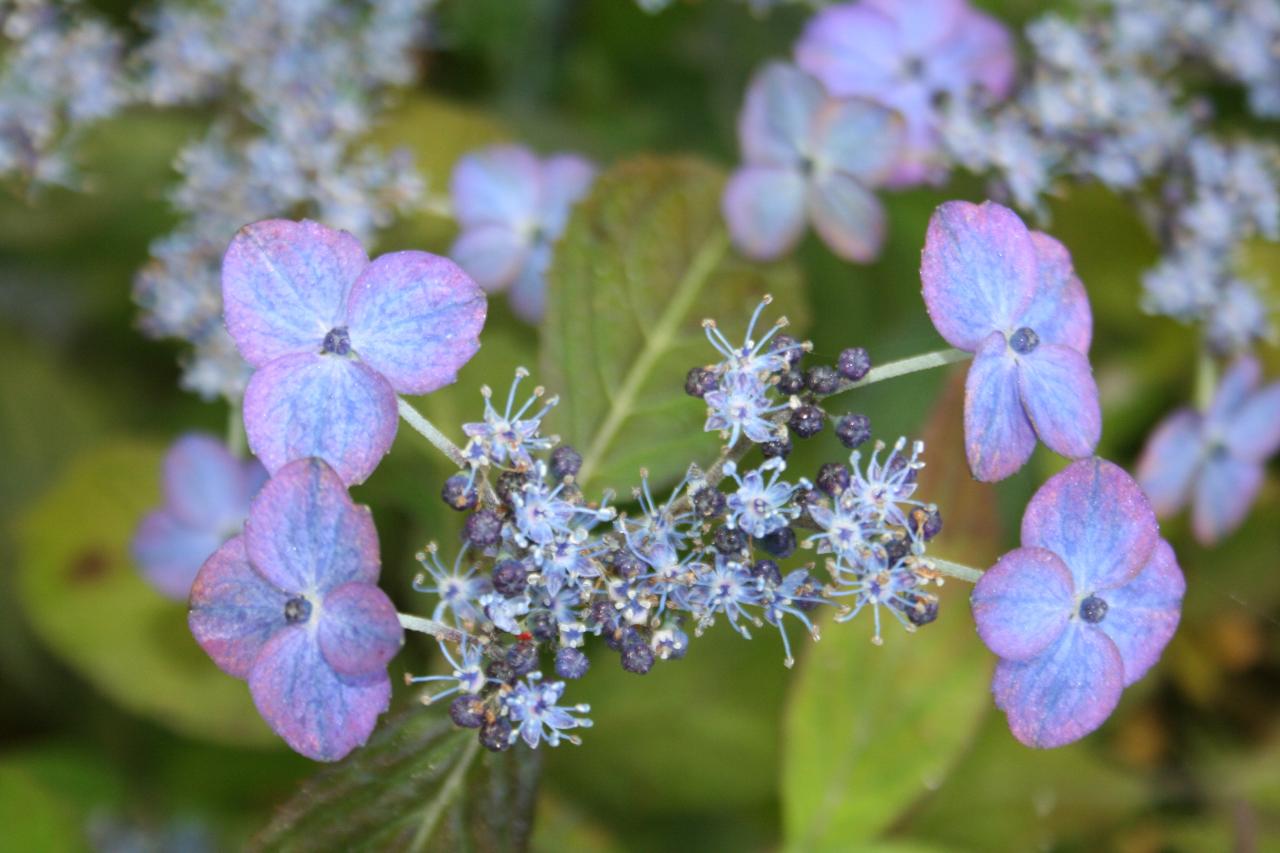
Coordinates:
x,y
108,736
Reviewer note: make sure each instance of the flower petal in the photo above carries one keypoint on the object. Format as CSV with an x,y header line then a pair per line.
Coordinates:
x,y
1236,384
566,178
1059,312
1170,459
998,438
170,552
359,630
764,209
492,254
528,294
980,50
1254,432
416,319
1023,602
205,486
852,48
923,25
305,535
497,185
1223,496
1063,694
1143,614
285,284
1061,399
234,610
320,405
848,217
859,138
1093,515
318,713
979,270
777,115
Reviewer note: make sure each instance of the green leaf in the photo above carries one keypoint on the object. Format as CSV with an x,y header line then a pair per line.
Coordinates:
x,y
87,602
34,816
419,784
644,260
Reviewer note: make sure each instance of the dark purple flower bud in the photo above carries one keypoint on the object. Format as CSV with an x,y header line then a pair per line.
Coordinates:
x,y
926,522
495,735
833,478
542,625
730,540
459,494
808,588
637,657
923,611
821,379
781,543
509,483
805,498
699,381
565,462
571,663
768,570
779,448
522,657
897,547
807,421
467,711
626,565
854,363
708,502
510,578
791,382
853,430
483,529
500,670
788,345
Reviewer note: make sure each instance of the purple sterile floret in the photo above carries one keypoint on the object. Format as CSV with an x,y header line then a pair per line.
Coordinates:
x,y
511,208
1215,459
292,606
909,55
1083,609
809,157
206,497
1011,297
334,337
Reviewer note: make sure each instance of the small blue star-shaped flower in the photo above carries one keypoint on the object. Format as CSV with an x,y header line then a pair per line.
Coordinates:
x,y
533,707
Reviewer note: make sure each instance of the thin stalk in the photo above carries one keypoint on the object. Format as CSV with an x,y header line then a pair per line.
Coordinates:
x,y
235,429
968,574
439,630
906,366
428,430
1206,379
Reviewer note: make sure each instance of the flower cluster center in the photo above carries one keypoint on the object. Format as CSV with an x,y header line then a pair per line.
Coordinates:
x,y
337,341
297,610
1093,609
1024,340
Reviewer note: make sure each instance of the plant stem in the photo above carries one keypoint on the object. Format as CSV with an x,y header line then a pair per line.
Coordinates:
x,y
905,366
968,574
235,429
428,430
429,626
1206,379
448,793
438,205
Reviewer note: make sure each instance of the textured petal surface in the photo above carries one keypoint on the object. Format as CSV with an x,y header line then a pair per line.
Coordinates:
x,y
852,48
501,184
1170,459
923,25
359,631
859,138
416,319
1059,312
848,217
285,284
320,405
1061,398
318,713
1237,383
979,271
998,437
764,209
1065,693
1143,614
979,50
528,294
305,535
778,115
1022,603
1224,493
566,178
204,484
1093,515
234,610
170,552
1254,432
492,254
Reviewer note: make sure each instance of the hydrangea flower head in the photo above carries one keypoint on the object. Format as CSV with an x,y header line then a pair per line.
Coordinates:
x,y
292,606
1083,609
809,157
334,337
908,54
206,497
511,208
1011,296
1215,459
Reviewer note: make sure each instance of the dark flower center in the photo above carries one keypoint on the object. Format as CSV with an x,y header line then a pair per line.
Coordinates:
x,y
296,610
1024,340
337,341
806,166
1093,610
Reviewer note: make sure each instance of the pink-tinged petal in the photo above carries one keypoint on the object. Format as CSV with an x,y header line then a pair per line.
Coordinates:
x,y
1065,693
1022,604
980,50
923,25
566,178
285,285
1170,460
501,185
493,254
1061,399
847,216
204,485
979,271
852,48
1059,312
1253,434
305,534
359,630
528,294
234,610
777,115
316,711
1093,515
764,209
416,319
998,438
1237,383
859,138
1224,494
1143,614
170,552
320,405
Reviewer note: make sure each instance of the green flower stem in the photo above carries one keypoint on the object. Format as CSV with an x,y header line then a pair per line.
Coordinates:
x,y
438,205
968,574
235,429
905,367
428,430
431,627
1206,379
449,792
